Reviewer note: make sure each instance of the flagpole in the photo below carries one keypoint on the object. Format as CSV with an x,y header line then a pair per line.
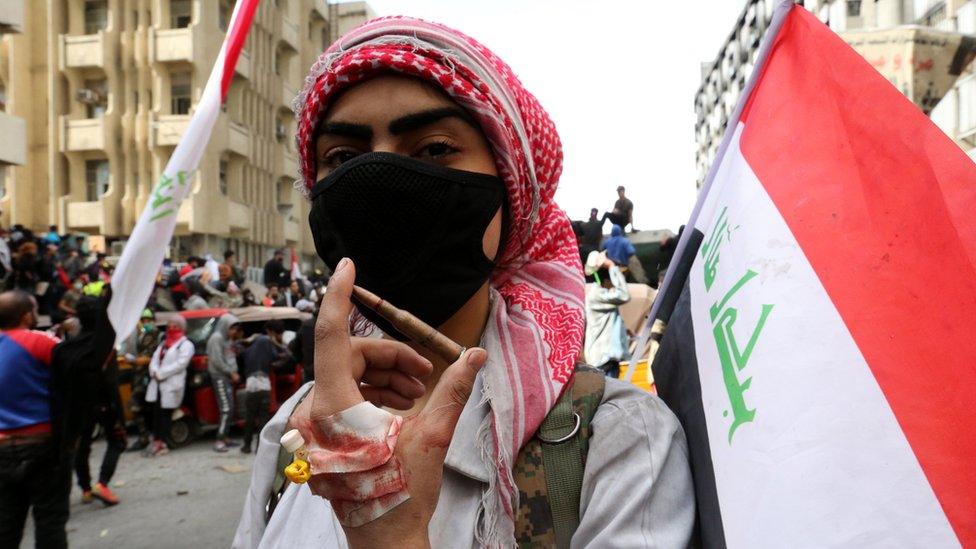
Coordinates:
x,y
685,251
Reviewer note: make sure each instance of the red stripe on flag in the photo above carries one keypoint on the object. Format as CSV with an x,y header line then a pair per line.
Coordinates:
x,y
882,204
235,42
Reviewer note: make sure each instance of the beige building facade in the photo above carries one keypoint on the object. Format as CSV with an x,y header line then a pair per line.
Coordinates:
x,y
107,88
13,129
724,79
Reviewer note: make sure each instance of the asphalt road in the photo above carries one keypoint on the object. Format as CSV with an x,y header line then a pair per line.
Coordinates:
x,y
191,497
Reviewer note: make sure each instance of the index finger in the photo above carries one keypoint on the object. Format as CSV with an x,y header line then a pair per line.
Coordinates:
x,y
334,358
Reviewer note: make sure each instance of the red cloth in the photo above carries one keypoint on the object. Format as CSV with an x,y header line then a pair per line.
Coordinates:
x,y
173,335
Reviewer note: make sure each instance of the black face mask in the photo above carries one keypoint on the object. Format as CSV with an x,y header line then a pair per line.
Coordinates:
x,y
413,229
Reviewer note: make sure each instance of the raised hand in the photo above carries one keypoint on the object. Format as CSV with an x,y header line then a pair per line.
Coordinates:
x,y
349,371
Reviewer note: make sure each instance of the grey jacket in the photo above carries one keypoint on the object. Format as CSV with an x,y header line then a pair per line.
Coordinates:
x,y
221,360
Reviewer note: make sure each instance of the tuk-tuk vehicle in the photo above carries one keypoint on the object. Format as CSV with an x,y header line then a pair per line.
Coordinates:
x,y
199,411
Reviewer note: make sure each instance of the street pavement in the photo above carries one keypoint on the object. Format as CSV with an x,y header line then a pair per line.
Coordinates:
x,y
191,497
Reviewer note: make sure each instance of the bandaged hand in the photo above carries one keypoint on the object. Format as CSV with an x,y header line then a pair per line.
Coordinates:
x,y
381,473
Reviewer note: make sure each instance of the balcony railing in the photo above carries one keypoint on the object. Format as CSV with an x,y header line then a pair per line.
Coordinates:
x,y
87,134
238,139
243,66
14,132
286,163
85,215
79,52
238,216
289,32
288,94
291,231
174,45
168,129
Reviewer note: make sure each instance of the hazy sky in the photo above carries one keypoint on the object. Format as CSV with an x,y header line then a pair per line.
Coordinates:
x,y
618,78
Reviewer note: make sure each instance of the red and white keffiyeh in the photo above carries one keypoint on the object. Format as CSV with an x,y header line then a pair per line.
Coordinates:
x,y
536,332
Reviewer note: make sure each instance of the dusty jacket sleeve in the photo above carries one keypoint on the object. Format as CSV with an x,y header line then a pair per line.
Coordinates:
x,y
637,489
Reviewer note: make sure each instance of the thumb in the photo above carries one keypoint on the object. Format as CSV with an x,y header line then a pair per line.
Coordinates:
x,y
451,394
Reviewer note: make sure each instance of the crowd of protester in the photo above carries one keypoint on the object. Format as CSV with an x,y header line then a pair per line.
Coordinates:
x,y
58,387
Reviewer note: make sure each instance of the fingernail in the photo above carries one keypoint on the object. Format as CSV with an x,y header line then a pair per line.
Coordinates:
x,y
342,265
477,358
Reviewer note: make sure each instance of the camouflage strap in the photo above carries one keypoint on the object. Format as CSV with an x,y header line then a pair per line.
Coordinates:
x,y
549,475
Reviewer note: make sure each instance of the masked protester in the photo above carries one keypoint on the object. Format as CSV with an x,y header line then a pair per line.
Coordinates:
x,y
167,373
138,350
431,173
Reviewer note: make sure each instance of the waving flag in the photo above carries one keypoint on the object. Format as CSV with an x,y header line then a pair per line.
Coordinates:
x,y
822,356
135,274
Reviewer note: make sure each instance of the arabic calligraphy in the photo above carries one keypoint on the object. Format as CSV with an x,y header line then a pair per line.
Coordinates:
x,y
732,357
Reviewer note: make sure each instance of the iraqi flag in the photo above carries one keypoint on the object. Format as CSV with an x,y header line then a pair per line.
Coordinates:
x,y
822,354
135,274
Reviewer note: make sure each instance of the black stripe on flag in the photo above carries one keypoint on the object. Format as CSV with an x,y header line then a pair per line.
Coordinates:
x,y
676,377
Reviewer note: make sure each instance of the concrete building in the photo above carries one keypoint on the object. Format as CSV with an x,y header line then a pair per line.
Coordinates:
x,y
12,128
724,78
107,87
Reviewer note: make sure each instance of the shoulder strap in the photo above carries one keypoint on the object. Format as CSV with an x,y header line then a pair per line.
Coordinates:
x,y
549,469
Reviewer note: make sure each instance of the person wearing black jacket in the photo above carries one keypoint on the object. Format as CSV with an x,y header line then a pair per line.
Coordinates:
x,y
85,392
303,347
275,271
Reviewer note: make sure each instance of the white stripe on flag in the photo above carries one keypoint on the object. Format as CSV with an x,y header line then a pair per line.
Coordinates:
x,y
823,461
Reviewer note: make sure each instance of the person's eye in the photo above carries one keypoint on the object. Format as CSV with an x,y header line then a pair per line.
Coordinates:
x,y
436,150
334,158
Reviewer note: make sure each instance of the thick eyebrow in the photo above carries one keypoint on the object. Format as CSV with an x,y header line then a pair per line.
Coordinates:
x,y
418,120
348,129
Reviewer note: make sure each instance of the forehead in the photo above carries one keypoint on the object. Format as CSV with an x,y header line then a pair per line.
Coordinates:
x,y
385,98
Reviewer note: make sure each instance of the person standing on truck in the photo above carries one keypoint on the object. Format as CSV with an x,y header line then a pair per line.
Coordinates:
x,y
167,373
222,366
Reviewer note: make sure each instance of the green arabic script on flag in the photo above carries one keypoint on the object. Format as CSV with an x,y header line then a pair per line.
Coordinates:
x,y
733,358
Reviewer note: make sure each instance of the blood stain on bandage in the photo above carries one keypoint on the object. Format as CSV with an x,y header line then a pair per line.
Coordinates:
x,y
353,463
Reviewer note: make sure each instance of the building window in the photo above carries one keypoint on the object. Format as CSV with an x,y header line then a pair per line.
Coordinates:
x,y
180,92
281,130
181,13
96,179
224,12
325,38
853,8
3,181
222,178
967,101
96,16
279,62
